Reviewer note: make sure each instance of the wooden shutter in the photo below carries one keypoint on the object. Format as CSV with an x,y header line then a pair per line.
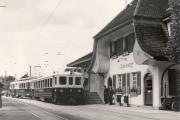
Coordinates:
x,y
128,83
124,84
131,41
172,81
138,83
111,51
114,82
120,47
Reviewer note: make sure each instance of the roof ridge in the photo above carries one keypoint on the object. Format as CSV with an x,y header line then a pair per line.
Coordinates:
x,y
119,18
137,7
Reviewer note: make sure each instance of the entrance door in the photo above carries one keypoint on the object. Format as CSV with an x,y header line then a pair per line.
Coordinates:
x,y
148,89
109,82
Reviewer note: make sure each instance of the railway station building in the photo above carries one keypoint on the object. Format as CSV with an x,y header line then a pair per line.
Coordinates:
x,y
128,54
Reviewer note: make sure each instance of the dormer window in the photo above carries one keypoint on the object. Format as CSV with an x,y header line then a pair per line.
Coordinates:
x,y
122,46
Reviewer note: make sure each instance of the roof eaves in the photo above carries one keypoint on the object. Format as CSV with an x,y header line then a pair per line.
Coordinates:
x,y
98,36
83,58
78,62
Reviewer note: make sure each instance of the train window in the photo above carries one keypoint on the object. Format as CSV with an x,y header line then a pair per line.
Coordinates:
x,y
70,80
78,81
27,85
55,80
50,82
45,83
62,80
41,83
38,84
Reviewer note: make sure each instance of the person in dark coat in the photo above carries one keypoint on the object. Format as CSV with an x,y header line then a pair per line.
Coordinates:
x,y
106,91
110,95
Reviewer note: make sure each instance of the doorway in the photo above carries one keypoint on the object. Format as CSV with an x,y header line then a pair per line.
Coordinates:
x,y
109,82
148,90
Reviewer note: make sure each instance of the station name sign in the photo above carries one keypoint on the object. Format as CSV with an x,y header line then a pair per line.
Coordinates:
x,y
128,65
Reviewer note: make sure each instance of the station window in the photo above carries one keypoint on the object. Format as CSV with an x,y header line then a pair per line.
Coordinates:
x,y
62,80
70,80
134,80
119,85
78,81
122,46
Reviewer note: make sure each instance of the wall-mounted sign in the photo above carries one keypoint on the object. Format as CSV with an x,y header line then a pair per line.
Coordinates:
x,y
129,65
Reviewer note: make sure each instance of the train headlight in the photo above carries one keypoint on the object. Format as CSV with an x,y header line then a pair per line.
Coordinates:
x,y
61,90
79,90
70,90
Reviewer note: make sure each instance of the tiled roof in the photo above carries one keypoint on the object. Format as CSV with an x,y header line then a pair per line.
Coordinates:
x,y
152,8
152,38
85,59
137,8
126,14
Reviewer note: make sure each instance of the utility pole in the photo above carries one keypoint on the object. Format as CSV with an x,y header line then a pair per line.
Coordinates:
x,y
5,82
1,85
30,71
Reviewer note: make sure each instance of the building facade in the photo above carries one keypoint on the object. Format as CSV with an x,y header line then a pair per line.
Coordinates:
x,y
129,55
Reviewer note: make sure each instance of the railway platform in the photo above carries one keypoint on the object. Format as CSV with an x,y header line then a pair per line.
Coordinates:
x,y
25,109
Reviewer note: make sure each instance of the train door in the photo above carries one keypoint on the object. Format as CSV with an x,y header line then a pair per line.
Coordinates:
x,y
71,82
148,85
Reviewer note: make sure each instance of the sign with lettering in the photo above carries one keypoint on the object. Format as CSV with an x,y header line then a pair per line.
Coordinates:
x,y
128,65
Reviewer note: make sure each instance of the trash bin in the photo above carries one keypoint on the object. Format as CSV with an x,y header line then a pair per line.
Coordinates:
x,y
119,98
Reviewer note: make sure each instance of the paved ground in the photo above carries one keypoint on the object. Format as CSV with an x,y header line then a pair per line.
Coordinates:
x,y
24,109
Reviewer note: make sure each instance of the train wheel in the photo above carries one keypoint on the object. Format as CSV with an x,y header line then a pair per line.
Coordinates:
x,y
174,106
72,101
54,101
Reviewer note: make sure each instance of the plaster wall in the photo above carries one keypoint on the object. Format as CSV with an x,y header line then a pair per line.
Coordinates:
x,y
97,84
126,64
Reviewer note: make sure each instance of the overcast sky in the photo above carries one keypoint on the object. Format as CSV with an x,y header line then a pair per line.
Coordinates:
x,y
53,32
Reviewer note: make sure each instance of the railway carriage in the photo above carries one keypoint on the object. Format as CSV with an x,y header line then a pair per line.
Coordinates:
x,y
58,89
20,89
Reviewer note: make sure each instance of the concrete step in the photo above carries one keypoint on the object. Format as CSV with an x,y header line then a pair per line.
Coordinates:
x,y
92,98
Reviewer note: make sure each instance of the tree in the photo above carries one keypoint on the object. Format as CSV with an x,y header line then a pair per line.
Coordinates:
x,y
172,51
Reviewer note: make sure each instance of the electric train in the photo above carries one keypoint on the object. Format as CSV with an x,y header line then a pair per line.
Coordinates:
x,y
58,89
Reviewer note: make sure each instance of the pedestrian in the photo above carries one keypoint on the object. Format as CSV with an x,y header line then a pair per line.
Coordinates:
x,y
106,95
110,95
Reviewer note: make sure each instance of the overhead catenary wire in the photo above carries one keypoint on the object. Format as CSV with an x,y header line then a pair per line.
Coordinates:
x,y
52,13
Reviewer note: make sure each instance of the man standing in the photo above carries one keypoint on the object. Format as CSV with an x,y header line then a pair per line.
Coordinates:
x,y
111,92
1,88
105,95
